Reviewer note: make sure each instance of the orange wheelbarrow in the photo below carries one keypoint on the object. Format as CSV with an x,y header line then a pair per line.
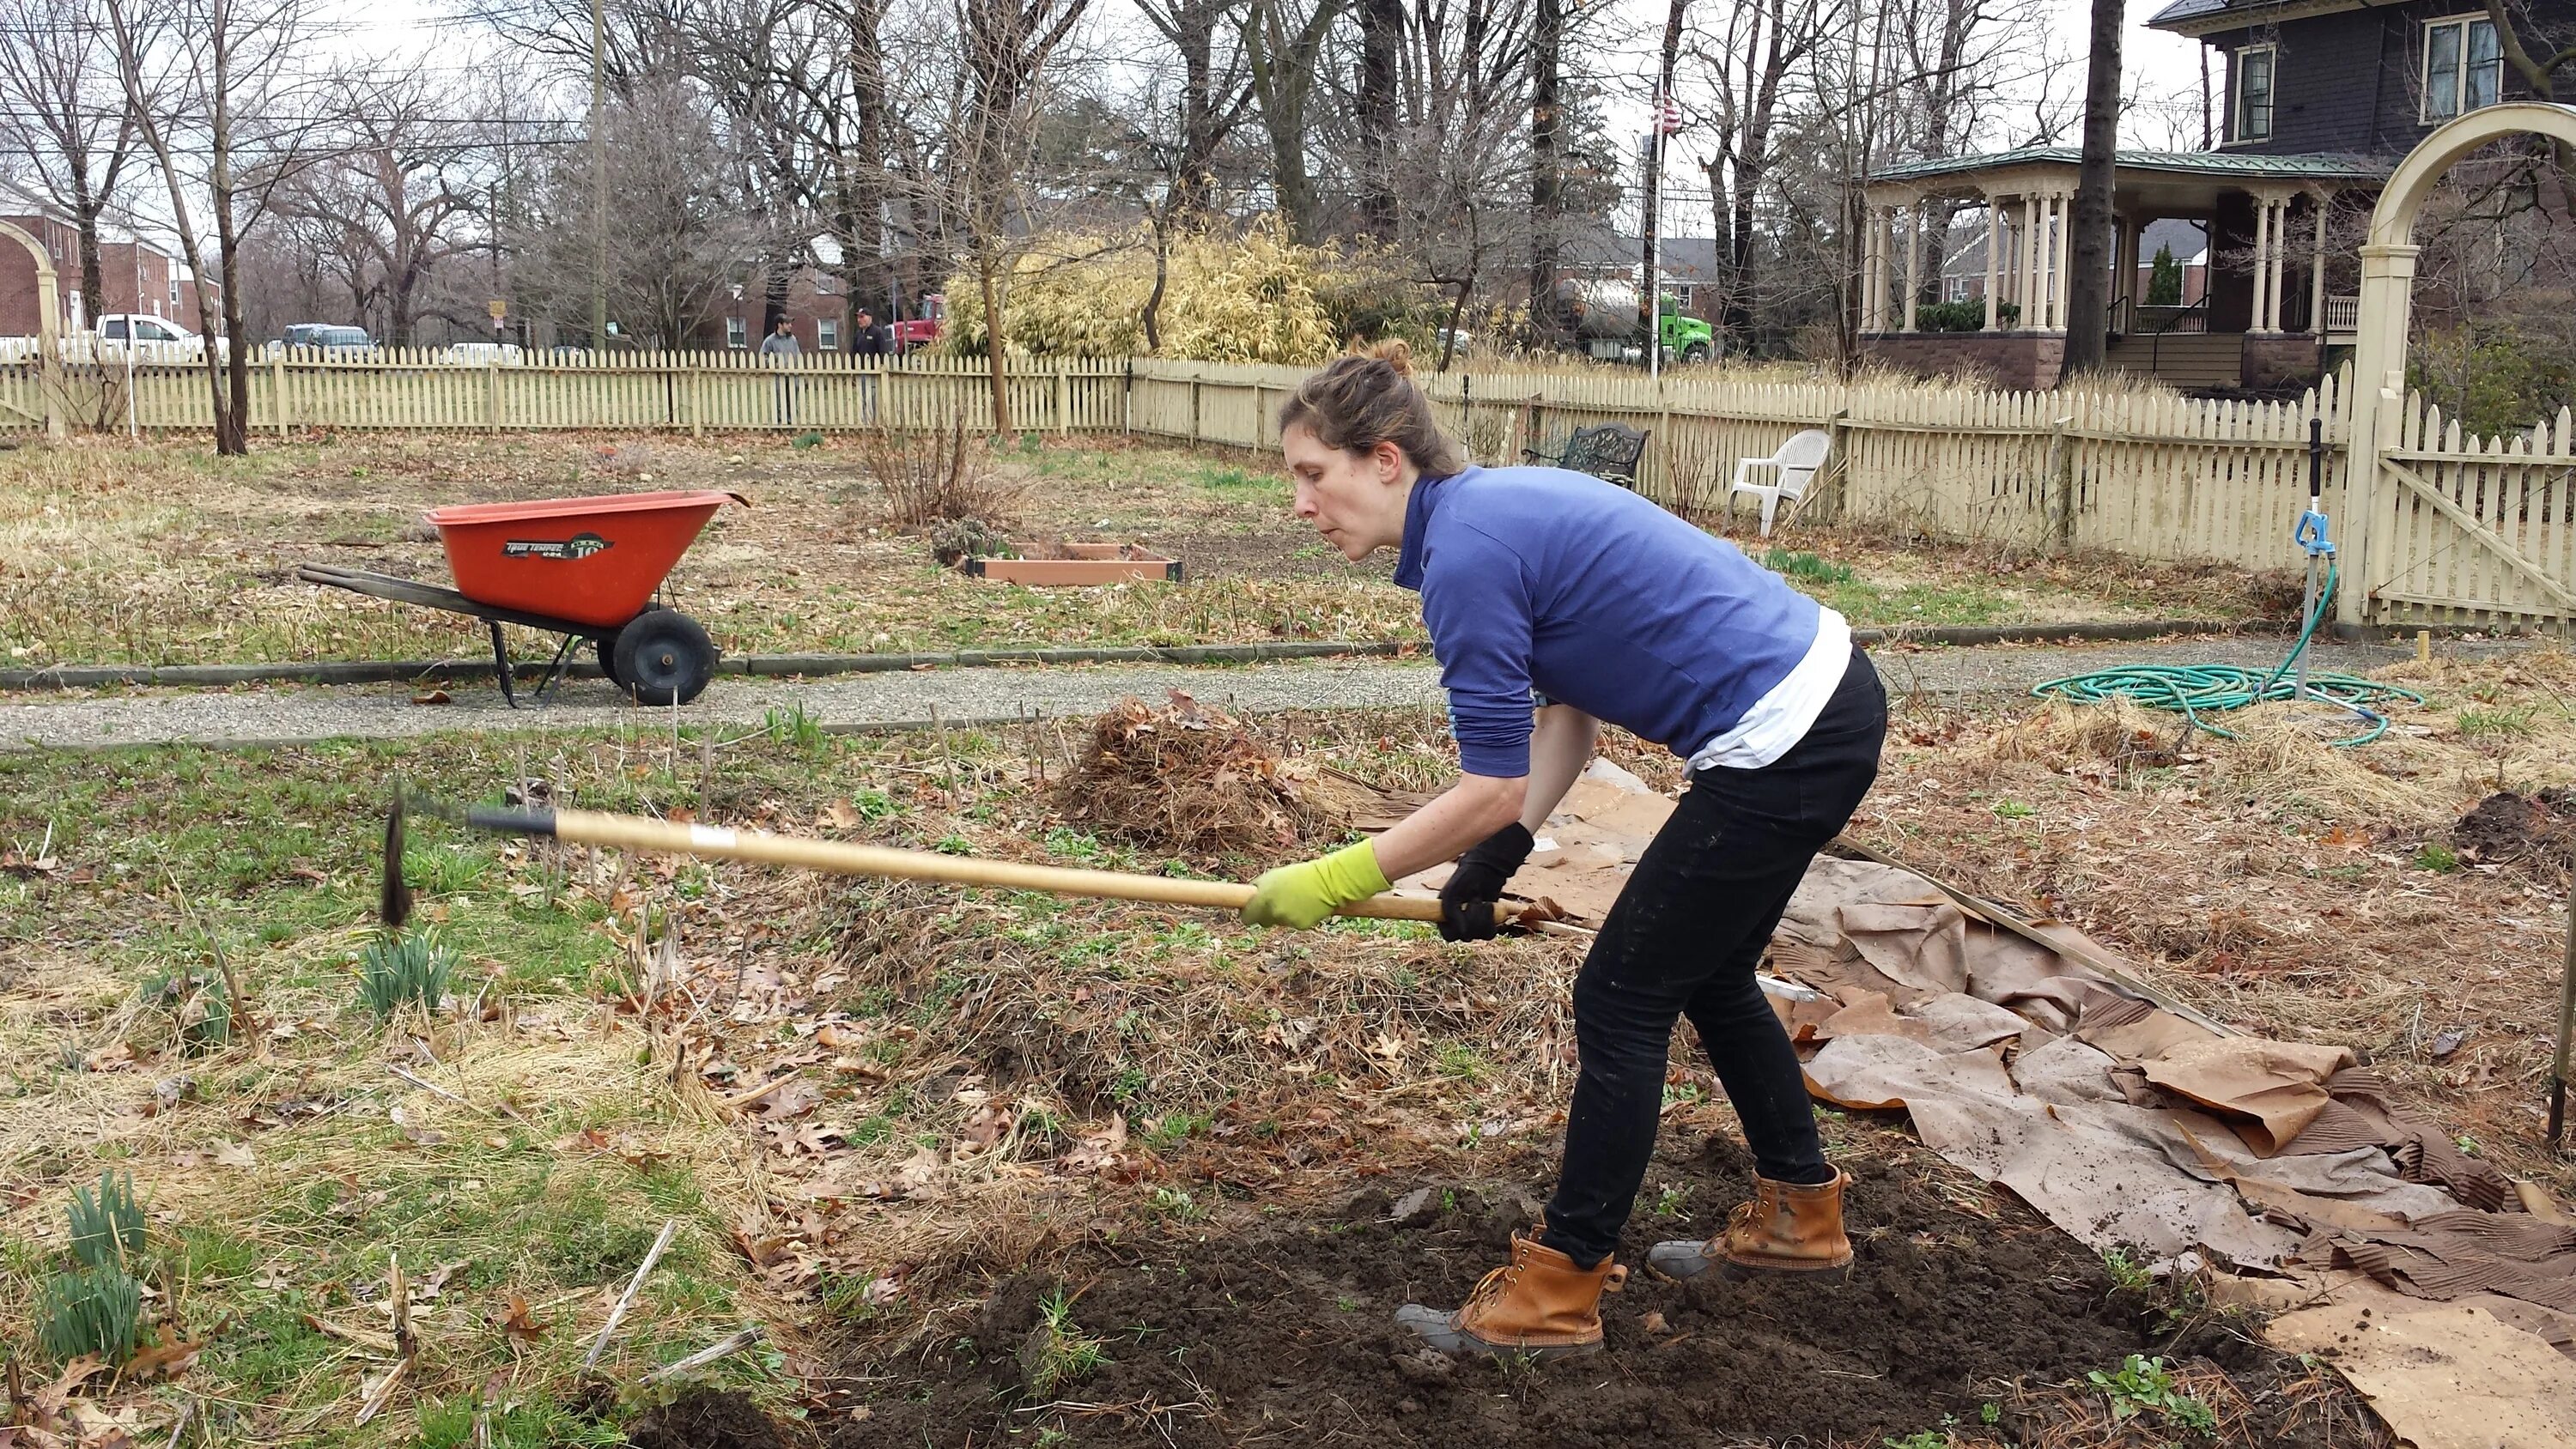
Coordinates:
x,y
586,568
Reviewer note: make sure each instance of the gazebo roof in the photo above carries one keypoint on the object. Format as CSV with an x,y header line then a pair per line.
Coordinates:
x,y
2209,165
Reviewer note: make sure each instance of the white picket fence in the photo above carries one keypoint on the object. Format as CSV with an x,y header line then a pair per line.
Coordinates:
x,y
2483,534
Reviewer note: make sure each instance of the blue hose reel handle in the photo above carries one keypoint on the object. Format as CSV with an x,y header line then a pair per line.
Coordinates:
x,y
2311,535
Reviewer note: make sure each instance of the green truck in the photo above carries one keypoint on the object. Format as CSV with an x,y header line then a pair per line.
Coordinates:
x,y
1605,318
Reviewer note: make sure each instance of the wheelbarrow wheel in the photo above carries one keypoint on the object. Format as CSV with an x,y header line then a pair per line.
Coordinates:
x,y
663,657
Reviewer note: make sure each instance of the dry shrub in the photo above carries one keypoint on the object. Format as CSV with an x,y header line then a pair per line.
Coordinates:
x,y
1192,779
936,477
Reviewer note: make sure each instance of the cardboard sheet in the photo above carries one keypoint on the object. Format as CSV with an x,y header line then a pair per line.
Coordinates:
x,y
2451,1376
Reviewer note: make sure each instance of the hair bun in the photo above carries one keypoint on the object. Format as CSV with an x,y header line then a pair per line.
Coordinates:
x,y
1395,352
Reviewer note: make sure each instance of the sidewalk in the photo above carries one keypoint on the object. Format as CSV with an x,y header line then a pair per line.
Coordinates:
x,y
273,715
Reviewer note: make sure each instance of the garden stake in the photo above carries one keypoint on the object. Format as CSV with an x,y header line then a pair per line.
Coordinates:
x,y
636,832
2566,1025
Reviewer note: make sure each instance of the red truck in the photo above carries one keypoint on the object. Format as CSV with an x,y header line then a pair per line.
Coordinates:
x,y
921,331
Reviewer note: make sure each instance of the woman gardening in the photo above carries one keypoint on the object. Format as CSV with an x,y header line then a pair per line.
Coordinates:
x,y
1556,601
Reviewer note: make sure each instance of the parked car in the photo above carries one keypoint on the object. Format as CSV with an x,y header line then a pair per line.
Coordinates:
x,y
144,337
483,354
324,337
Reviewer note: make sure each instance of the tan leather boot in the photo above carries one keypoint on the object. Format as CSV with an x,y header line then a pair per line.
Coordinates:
x,y
1787,1228
1539,1305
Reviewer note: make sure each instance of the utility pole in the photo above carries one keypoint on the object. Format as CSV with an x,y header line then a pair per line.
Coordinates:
x,y
1668,119
598,177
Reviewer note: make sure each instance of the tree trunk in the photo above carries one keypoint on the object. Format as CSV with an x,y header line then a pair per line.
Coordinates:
x,y
2088,281
863,239
996,364
232,431
1381,37
1547,173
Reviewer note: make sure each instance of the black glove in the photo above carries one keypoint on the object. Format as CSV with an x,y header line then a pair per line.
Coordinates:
x,y
1467,900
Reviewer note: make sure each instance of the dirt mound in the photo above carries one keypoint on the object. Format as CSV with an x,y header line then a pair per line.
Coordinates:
x,y
1190,778
709,1419
2508,827
1283,1334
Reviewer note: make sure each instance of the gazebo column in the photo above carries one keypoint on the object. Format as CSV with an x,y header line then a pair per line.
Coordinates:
x,y
1994,243
2317,267
2260,320
2033,299
1913,258
2280,254
1868,268
2065,258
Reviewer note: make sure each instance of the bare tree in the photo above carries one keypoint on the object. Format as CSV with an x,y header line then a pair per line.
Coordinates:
x,y
1747,61
389,200
1008,44
679,238
62,108
1283,53
219,82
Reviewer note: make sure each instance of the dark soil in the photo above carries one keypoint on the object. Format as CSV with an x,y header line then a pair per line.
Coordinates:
x,y
1282,1334
709,1419
2509,827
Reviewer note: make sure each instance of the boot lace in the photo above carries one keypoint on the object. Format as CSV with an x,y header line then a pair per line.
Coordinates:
x,y
1490,1289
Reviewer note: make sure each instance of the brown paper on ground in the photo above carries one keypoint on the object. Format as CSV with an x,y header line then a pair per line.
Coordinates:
x,y
2451,1376
1924,946
2268,1090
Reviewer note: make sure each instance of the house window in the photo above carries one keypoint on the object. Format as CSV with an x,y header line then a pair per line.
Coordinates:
x,y
737,333
2254,93
1957,290
2463,67
174,293
827,335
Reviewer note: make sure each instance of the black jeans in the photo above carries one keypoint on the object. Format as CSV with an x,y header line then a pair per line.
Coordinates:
x,y
1684,940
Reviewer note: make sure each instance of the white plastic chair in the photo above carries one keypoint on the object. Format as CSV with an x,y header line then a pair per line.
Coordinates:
x,y
1792,469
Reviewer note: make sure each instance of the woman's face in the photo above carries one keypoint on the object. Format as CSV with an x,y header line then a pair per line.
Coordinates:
x,y
1355,500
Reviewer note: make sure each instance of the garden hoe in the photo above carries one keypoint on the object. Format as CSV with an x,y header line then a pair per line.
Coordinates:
x,y
636,832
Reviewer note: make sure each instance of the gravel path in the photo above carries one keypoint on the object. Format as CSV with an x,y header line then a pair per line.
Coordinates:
x,y
271,715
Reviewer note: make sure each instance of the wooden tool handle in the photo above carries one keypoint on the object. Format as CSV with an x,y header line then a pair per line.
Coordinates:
x,y
635,832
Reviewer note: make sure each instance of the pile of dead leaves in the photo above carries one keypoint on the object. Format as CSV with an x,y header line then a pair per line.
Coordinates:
x,y
1190,779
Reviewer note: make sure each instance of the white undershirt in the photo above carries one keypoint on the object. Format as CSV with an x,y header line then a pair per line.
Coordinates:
x,y
1781,718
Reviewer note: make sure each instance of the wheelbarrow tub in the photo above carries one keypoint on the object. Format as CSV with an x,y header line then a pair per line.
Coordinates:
x,y
594,561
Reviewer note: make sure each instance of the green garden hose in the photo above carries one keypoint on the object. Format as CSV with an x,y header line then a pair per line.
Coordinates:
x,y
2193,690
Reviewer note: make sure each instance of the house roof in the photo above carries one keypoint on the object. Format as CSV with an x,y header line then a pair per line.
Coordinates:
x,y
17,199
2205,17
2221,165
1599,248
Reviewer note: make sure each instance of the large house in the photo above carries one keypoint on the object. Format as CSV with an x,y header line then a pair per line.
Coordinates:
x,y
2322,98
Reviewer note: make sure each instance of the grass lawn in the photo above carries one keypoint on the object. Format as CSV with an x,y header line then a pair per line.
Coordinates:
x,y
861,1102
161,553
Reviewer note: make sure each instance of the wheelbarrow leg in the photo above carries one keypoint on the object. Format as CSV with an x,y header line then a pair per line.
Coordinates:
x,y
501,662
555,671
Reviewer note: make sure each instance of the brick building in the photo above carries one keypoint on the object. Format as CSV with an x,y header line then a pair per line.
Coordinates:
x,y
134,275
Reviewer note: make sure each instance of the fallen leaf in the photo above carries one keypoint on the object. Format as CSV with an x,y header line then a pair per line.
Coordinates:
x,y
435,696
15,864
1654,1323
839,815
515,1322
169,1358
235,1154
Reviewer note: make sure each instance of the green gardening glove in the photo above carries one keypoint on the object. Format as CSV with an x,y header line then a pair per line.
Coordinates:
x,y
1302,895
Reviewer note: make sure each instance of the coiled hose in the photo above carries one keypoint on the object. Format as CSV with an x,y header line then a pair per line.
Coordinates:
x,y
2192,690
